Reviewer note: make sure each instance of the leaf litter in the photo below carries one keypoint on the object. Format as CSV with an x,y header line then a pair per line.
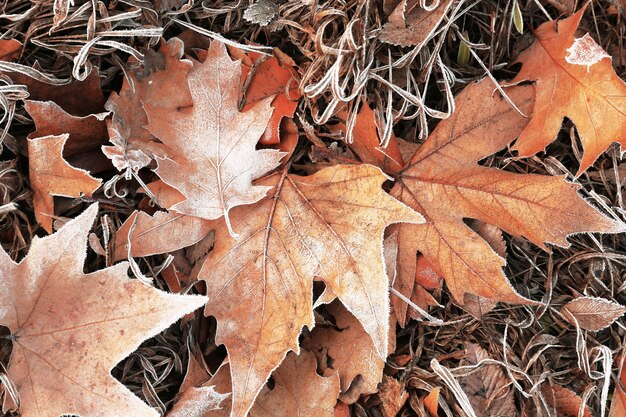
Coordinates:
x,y
334,85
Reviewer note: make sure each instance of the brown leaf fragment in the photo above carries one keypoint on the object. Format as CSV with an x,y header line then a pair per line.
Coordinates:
x,y
162,83
298,390
78,98
565,402
618,404
444,182
85,132
592,313
261,12
366,144
69,329
350,353
199,402
10,49
574,78
216,158
330,225
393,396
488,390
418,27
161,233
431,402
50,175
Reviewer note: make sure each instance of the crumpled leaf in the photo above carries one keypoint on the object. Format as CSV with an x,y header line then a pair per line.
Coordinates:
x,y
261,12
328,225
298,390
348,351
70,329
51,175
585,90
489,389
78,98
199,402
216,160
618,404
564,401
161,233
444,182
410,25
393,396
10,49
366,144
86,133
592,313
163,85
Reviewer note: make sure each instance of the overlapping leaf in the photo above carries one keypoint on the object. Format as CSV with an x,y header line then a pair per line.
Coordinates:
x,y
574,79
63,346
330,225
214,159
444,182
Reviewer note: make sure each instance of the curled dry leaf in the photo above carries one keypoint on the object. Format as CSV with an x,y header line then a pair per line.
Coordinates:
x,y
489,389
411,25
592,313
330,225
298,390
85,132
161,233
444,182
78,98
215,158
10,49
366,144
348,351
199,402
163,85
574,79
69,329
618,404
393,396
51,175
564,401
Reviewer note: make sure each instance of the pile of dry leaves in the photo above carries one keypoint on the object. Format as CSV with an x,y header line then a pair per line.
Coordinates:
x,y
313,208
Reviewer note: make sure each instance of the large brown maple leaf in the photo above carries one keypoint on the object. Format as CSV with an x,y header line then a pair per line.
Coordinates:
x,y
214,143
69,329
328,225
574,79
444,182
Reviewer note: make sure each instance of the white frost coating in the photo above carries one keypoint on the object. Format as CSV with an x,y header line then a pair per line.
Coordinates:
x,y
585,51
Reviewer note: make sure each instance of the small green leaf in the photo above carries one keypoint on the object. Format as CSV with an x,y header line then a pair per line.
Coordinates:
x,y
517,17
464,53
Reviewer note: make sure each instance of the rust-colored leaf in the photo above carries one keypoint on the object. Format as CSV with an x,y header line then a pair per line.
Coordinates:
x,y
489,389
444,182
51,175
411,25
565,402
69,329
330,225
431,402
574,78
163,85
298,390
348,351
164,232
618,404
592,313
216,160
10,49
393,396
366,144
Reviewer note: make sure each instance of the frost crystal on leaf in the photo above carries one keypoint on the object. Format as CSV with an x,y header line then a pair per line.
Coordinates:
x,y
585,51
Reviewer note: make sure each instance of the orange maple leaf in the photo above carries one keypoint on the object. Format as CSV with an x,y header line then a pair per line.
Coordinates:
x,y
444,182
574,78
69,329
